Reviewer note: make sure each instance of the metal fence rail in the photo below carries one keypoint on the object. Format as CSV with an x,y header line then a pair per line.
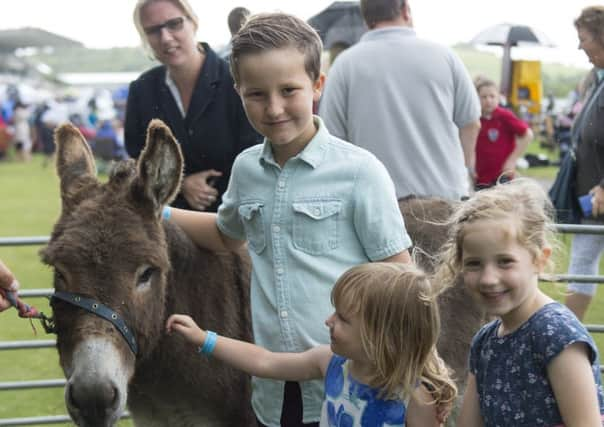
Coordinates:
x,y
60,382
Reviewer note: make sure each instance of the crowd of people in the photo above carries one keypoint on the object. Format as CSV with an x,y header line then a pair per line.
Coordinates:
x,y
27,126
262,171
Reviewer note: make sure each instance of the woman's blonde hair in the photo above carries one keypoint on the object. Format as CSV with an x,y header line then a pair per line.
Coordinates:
x,y
522,201
400,324
183,5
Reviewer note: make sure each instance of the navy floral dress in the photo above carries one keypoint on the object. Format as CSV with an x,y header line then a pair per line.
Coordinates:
x,y
511,370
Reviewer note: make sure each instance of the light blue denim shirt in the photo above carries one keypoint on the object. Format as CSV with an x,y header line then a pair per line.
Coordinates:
x,y
329,208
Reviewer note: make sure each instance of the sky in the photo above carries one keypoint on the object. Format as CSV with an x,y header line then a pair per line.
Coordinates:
x,y
108,23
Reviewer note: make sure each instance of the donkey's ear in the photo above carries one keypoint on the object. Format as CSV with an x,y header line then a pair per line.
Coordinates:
x,y
75,162
160,165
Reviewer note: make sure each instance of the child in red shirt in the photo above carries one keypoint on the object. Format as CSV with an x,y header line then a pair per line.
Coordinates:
x,y
502,139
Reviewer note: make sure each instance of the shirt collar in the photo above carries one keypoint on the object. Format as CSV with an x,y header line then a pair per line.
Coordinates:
x,y
600,74
314,152
210,58
393,33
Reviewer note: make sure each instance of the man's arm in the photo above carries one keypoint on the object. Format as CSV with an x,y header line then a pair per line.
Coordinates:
x,y
468,135
332,106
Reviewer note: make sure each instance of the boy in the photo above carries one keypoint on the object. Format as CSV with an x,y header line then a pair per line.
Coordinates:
x,y
309,205
502,139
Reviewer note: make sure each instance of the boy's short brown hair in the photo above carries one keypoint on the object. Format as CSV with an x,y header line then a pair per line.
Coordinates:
x,y
267,31
480,82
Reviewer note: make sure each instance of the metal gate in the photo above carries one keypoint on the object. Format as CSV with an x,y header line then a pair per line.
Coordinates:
x,y
60,382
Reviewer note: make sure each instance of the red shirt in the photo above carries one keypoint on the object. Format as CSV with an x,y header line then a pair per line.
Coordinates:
x,y
496,141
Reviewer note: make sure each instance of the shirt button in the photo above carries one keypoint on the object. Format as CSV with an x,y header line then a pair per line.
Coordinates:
x,y
280,271
283,314
281,184
317,212
276,228
190,132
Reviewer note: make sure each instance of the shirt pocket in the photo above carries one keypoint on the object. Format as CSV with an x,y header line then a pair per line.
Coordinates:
x,y
315,229
253,224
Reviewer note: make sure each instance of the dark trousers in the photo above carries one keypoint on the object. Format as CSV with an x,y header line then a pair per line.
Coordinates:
x,y
291,412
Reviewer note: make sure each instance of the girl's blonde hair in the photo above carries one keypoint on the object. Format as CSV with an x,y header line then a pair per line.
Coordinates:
x,y
183,5
522,201
400,324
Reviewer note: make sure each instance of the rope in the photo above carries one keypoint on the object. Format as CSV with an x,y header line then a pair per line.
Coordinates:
x,y
25,310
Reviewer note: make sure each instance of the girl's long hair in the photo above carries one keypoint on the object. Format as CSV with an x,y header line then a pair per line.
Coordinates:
x,y
400,324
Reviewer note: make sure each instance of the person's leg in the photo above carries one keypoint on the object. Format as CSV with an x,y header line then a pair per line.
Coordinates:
x,y
291,412
584,259
578,303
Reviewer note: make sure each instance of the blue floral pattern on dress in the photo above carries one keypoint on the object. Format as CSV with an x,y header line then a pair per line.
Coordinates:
x,y
349,403
511,370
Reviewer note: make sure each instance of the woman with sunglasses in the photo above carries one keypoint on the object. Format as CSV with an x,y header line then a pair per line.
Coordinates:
x,y
192,92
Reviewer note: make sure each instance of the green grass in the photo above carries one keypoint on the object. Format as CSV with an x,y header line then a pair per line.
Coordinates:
x,y
30,204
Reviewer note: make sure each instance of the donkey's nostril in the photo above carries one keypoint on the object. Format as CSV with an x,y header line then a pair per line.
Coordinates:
x,y
91,397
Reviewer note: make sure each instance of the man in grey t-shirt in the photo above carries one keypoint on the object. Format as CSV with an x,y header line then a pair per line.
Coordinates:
x,y
409,101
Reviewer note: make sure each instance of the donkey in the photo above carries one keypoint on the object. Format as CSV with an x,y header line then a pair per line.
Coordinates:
x,y
120,271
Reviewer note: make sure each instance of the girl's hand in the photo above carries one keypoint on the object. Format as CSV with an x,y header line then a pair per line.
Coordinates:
x,y
185,326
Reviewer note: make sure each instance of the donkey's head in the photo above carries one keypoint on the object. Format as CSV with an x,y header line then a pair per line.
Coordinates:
x,y
110,261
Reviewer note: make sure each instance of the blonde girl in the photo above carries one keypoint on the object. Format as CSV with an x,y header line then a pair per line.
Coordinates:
x,y
381,368
535,365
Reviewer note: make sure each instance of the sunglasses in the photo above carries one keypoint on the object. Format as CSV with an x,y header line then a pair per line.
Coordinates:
x,y
172,25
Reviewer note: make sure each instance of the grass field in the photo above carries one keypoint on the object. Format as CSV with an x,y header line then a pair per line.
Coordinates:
x,y
29,206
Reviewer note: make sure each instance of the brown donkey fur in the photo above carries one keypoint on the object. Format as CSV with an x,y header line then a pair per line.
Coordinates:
x,y
111,245
425,219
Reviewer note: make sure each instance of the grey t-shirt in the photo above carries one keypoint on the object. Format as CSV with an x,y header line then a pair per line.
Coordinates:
x,y
404,99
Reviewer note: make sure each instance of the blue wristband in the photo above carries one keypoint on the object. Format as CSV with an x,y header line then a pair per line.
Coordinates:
x,y
208,344
166,212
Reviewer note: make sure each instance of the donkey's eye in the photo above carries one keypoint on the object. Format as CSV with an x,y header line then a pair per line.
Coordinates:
x,y
144,279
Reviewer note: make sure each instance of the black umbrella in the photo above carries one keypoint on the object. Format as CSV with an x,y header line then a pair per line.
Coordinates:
x,y
509,35
340,22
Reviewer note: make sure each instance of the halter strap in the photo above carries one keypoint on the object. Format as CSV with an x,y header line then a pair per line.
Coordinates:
x,y
101,310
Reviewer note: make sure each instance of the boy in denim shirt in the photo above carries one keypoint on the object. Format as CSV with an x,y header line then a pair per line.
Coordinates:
x,y
309,205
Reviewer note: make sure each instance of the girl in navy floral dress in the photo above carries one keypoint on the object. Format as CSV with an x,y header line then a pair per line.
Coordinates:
x,y
382,359
535,365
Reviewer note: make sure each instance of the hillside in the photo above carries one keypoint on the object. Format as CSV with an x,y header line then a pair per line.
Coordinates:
x,y
558,79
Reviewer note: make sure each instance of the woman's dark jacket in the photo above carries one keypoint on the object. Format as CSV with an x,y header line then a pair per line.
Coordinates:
x,y
214,130
590,148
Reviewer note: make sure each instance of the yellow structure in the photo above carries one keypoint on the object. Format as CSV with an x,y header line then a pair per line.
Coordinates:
x,y
526,88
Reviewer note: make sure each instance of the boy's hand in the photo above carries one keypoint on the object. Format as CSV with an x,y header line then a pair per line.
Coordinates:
x,y
509,168
8,283
185,326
